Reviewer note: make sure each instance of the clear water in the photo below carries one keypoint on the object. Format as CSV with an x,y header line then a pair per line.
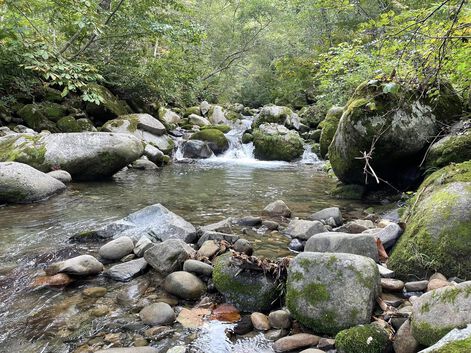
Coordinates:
x,y
203,192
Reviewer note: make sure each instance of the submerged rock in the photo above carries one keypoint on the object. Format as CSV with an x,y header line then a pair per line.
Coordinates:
x,y
20,183
329,292
248,290
157,314
86,156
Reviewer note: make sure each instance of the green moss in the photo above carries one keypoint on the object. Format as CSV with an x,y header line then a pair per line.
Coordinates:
x,y
68,124
53,111
362,339
231,115
453,149
192,110
267,117
221,127
460,346
247,138
30,151
110,105
35,119
277,147
215,138
329,127
311,115
427,334
348,192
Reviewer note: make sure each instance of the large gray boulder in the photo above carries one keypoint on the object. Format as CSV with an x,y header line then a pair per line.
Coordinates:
x,y
302,229
329,292
154,221
86,155
337,242
437,312
247,290
168,256
20,183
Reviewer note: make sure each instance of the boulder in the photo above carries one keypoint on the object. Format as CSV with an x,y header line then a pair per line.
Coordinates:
x,y
326,213
215,139
198,120
277,115
439,311
329,127
68,124
33,117
157,314
216,115
196,149
224,226
337,242
330,292
143,164
110,106
127,270
276,142
301,229
154,154
389,234
86,156
247,290
437,236
277,209
169,116
61,175
184,285
362,339
204,107
154,221
117,248
83,265
311,116
391,114
168,256
20,183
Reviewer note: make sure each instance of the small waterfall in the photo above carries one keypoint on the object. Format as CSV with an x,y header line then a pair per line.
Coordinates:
x,y
309,157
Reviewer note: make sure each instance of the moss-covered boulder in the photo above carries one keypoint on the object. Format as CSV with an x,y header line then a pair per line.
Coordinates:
x,y
68,124
436,313
453,148
109,108
329,127
247,138
456,341
86,124
276,142
362,339
437,236
247,290
221,127
329,292
86,156
397,120
311,116
53,111
277,115
192,110
215,139
34,118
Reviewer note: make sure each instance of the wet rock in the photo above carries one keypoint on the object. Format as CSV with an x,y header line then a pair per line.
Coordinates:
x,y
198,267
153,154
177,349
296,245
362,339
326,343
144,164
100,310
243,246
168,256
274,335
437,283
392,285
94,292
143,244
280,319
230,238
196,149
336,242
248,290
20,183
127,270
184,285
130,294
224,226
277,209
389,235
83,265
416,286
244,326
117,248
326,213
270,225
260,321
215,139
60,279
301,229
193,318
130,350
319,288
208,249
439,311
404,342
157,314
61,175
249,221
155,221
291,343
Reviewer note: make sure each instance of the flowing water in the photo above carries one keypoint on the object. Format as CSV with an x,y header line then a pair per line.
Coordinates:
x,y
231,185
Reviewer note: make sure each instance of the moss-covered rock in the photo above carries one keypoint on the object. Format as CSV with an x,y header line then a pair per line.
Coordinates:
x,y
392,115
320,286
276,142
274,114
221,127
168,116
438,312
454,148
247,290
311,115
437,236
329,127
348,192
68,124
232,115
86,125
362,339
192,110
34,118
247,138
53,111
215,139
458,346
110,107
